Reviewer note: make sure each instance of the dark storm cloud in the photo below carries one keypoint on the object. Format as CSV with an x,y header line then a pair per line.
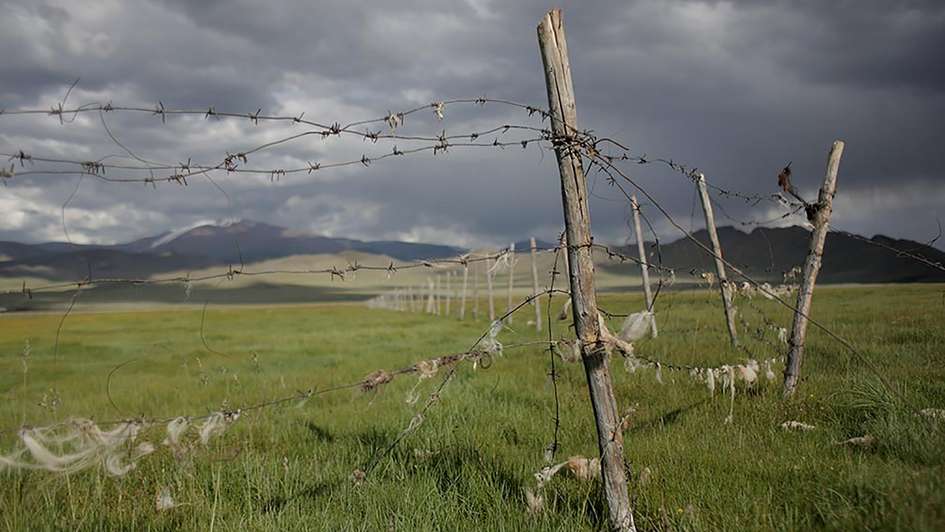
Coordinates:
x,y
735,88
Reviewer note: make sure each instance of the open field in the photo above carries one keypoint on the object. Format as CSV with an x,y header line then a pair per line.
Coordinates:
x,y
300,287
289,467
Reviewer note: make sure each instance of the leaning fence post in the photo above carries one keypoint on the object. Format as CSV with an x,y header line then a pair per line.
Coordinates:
x,y
724,286
554,54
462,300
644,262
489,289
511,256
535,302
819,215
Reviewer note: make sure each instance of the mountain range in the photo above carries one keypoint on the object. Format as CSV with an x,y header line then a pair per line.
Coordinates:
x,y
767,253
192,248
764,253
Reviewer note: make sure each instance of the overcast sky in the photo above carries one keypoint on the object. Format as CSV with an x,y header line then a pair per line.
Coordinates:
x,y
735,88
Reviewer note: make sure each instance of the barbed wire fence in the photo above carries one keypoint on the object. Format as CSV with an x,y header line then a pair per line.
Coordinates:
x,y
78,444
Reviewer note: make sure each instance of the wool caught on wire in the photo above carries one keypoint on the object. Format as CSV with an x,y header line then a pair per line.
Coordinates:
x,y
79,444
636,326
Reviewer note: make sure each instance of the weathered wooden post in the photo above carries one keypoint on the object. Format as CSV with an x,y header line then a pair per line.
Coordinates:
x,y
475,294
819,216
431,302
462,299
449,292
535,301
561,104
724,285
437,295
563,244
644,261
489,289
508,307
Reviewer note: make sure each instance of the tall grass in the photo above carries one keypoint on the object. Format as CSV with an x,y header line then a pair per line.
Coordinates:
x,y
467,467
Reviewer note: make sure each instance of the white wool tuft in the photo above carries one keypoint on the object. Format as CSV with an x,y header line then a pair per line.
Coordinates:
x,y
164,500
76,445
535,502
797,425
491,342
636,326
769,373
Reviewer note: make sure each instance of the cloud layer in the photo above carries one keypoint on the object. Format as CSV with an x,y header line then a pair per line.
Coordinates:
x,y
735,88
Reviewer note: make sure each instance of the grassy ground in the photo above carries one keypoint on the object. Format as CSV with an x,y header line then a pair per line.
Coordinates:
x,y
289,467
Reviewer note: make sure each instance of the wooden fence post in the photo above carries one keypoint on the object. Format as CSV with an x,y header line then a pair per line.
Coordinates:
x,y
437,295
508,307
724,286
449,292
475,294
489,289
644,261
820,218
561,104
462,300
430,301
535,302
563,243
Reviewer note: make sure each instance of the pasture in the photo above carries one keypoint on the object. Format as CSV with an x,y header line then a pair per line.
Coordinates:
x,y
289,467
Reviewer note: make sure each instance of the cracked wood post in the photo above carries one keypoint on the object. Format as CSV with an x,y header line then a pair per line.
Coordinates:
x,y
462,299
508,307
563,243
644,262
535,302
561,104
489,289
805,295
724,285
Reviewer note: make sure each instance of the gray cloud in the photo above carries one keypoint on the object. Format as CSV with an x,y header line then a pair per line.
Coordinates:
x,y
735,88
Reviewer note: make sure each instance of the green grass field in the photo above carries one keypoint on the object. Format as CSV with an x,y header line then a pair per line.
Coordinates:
x,y
467,467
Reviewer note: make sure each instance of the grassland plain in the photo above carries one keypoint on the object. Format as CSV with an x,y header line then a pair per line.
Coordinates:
x,y
466,468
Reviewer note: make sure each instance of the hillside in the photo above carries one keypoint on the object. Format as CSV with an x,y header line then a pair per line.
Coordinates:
x,y
766,253
196,247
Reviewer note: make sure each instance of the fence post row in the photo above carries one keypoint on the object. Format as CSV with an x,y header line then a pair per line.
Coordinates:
x,y
561,104
724,286
820,218
644,262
